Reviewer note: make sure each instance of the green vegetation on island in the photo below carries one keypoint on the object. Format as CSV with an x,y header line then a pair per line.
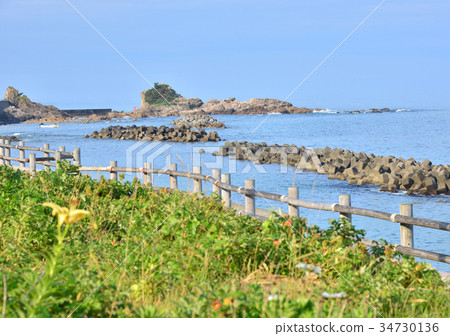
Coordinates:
x,y
74,246
160,94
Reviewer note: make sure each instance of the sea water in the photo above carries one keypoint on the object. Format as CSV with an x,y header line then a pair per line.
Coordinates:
x,y
421,134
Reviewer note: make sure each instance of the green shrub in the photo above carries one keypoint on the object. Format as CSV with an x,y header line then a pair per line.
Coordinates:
x,y
143,252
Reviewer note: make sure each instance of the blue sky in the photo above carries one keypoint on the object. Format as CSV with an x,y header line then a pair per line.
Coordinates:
x,y
228,48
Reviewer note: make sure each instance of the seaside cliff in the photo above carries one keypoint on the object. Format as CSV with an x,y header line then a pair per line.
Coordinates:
x,y
17,107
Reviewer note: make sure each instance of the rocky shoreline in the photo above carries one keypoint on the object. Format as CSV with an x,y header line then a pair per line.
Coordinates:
x,y
389,172
183,106
17,107
151,133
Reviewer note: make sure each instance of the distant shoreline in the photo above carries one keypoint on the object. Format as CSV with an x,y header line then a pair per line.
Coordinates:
x,y
18,108
135,115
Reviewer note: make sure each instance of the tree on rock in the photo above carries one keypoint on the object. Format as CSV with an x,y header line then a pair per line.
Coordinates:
x,y
160,94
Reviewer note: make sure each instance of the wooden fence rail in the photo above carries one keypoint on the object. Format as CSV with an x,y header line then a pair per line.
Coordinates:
x,y
221,185
32,160
344,210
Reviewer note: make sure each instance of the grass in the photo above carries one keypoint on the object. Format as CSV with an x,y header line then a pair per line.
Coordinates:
x,y
147,253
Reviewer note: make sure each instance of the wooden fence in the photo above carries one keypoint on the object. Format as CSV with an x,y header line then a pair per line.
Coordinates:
x,y
221,185
32,160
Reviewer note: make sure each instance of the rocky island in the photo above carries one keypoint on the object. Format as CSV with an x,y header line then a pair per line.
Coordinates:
x,y
389,172
151,133
173,104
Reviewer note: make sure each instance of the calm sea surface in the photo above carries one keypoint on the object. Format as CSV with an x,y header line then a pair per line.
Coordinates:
x,y
419,134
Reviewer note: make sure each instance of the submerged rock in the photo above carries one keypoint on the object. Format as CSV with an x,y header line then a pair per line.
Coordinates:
x,y
11,138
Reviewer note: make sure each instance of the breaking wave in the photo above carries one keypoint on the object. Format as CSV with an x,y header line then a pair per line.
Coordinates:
x,y
326,111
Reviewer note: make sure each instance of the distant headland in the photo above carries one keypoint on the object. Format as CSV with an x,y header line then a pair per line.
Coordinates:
x,y
161,100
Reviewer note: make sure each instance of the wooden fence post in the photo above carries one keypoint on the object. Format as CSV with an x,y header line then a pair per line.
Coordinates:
x,y
76,157
226,194
293,210
216,174
62,149
250,200
7,152
113,174
173,180
46,155
147,176
197,182
57,158
345,200
21,154
406,230
2,151
32,163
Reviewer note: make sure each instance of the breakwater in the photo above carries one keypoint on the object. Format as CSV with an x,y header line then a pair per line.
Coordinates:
x,y
151,133
198,121
389,172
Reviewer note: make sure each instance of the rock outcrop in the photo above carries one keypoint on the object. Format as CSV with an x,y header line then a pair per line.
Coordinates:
x,y
261,106
198,121
173,104
19,108
22,109
179,106
372,110
389,172
183,106
253,106
151,133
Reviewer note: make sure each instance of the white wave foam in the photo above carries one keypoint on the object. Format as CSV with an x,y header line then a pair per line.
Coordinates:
x,y
325,111
402,110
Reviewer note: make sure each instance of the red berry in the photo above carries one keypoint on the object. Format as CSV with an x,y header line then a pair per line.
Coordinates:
x,y
216,305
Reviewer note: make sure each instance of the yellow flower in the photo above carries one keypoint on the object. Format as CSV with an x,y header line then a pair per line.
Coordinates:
x,y
67,215
228,301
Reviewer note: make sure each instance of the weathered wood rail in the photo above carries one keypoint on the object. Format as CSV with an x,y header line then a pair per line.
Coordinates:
x,y
32,160
221,185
